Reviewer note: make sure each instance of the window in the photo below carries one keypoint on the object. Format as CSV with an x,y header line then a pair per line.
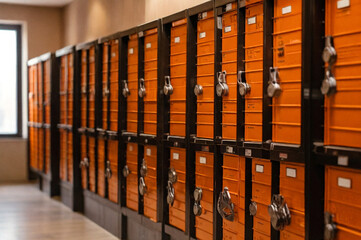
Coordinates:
x,y
10,80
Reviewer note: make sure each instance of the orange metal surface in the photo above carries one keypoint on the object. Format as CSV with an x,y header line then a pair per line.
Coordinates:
x,y
31,93
113,159
63,154
254,71
91,156
205,75
292,188
234,170
47,91
132,179
40,94
91,87
261,195
204,180
70,156
229,65
342,200
343,109
40,149
177,211
132,99
150,81
33,161
101,167
70,89
178,72
83,154
83,86
47,150
287,56
150,198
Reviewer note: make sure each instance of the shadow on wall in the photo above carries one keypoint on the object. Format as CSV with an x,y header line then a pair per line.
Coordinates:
x,y
13,160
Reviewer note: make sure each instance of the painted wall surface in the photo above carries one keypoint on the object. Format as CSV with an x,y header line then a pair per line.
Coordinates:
x,y
13,160
86,20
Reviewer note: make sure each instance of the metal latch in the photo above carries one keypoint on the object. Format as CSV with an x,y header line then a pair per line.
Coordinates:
x,y
141,91
83,90
329,56
274,88
222,87
170,195
126,171
168,88
330,227
106,92
108,171
142,187
197,207
225,207
253,208
172,175
279,212
143,169
243,86
125,90
84,162
198,90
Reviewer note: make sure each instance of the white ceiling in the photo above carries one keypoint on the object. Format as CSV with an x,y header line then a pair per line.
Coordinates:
x,y
53,3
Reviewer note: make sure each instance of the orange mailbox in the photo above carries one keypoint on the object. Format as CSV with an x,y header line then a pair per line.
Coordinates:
x,y
261,198
234,170
228,76
91,83
203,195
47,101
176,187
178,72
132,85
130,171
113,85
31,93
91,156
112,170
252,88
83,115
83,155
285,76
148,181
204,90
342,74
342,203
101,167
105,87
150,81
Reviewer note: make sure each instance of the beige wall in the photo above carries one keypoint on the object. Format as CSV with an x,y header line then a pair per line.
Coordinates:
x,y
13,160
86,20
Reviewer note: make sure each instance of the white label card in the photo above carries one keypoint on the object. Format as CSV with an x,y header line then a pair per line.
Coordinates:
x,y
342,160
131,148
248,152
227,29
140,34
229,149
177,39
148,45
343,4
175,156
113,54
259,168
251,20
287,9
204,15
202,35
291,172
203,160
344,182
131,50
149,152
228,7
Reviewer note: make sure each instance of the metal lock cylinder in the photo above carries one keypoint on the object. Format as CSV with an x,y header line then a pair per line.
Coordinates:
x,y
126,171
84,162
222,87
225,207
329,54
106,92
330,227
274,88
141,91
168,88
329,83
243,86
253,208
108,171
197,207
143,169
170,195
279,212
142,187
172,175
125,90
198,90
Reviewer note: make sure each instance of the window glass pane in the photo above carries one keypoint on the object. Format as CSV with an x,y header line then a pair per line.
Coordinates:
x,y
8,78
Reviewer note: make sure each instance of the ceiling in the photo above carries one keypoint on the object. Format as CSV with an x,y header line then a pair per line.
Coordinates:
x,y
53,3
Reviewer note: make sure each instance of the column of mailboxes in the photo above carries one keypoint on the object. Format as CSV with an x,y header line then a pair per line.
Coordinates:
x,y
41,119
342,116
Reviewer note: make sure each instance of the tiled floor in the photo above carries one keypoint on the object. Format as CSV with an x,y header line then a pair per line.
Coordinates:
x,y
28,214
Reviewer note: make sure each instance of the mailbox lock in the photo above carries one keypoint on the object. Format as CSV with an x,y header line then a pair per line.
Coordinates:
x,y
328,84
168,88
197,207
170,195
197,194
125,90
142,187
141,91
253,208
143,169
84,162
108,171
172,175
243,86
126,171
222,87
106,92
83,90
330,227
198,90
274,88
279,212
329,54
225,207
